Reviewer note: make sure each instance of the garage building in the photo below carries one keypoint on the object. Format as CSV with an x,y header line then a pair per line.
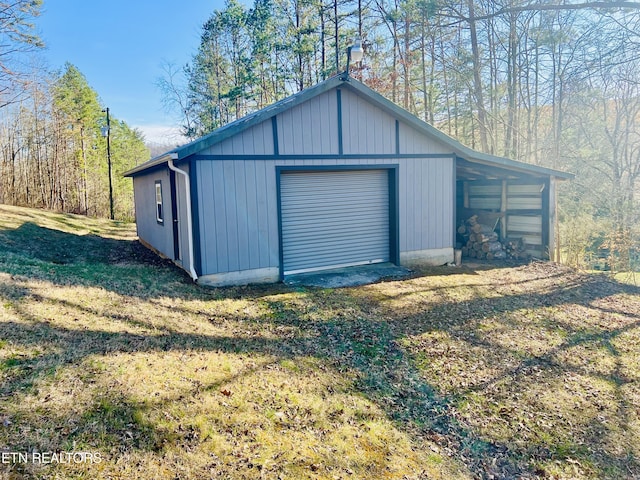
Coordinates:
x,y
333,176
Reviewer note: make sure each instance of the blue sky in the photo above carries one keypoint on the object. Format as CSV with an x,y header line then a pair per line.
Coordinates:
x,y
120,46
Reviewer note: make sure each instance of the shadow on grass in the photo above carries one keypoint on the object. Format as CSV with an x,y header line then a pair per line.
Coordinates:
x,y
356,333
125,267
589,443
122,266
387,374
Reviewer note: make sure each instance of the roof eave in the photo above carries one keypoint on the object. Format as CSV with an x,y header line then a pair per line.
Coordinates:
x,y
486,159
154,162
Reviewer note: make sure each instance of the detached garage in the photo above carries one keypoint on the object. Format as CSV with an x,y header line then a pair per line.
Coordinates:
x,y
333,176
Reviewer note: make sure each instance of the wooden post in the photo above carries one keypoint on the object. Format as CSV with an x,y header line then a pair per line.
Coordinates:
x,y
554,238
548,218
465,194
503,211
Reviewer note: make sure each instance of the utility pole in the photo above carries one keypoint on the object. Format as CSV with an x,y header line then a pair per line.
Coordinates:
x,y
106,132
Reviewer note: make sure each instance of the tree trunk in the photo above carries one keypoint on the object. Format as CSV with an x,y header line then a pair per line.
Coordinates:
x,y
477,79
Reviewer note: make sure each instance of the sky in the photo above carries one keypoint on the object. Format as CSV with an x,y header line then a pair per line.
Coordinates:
x,y
120,47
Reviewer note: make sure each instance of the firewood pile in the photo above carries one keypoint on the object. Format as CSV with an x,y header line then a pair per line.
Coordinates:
x,y
515,248
482,241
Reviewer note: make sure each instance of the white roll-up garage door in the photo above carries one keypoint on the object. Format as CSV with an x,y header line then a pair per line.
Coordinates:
x,y
333,219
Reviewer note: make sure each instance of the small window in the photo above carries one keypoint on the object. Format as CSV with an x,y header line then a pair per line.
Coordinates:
x,y
159,211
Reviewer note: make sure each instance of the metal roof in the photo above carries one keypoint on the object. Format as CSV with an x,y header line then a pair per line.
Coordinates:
x,y
343,81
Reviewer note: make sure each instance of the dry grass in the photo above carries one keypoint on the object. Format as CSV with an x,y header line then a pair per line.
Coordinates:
x,y
517,372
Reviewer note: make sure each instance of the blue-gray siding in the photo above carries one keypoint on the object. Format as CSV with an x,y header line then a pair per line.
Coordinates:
x,y
238,216
412,141
257,140
366,128
310,128
237,210
235,179
160,236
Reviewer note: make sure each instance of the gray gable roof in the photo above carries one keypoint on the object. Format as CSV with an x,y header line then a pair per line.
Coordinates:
x,y
361,89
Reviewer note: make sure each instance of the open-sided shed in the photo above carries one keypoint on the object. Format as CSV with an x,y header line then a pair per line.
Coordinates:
x,y
333,176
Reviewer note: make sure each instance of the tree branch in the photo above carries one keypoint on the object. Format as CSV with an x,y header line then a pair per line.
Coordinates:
x,y
538,7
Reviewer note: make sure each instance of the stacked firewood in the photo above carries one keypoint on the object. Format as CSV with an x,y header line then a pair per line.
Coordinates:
x,y
515,248
481,240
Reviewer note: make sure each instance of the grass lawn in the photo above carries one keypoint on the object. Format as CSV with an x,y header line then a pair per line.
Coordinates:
x,y
518,372
632,278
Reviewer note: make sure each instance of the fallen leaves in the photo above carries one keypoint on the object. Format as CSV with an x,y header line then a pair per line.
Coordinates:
x,y
518,372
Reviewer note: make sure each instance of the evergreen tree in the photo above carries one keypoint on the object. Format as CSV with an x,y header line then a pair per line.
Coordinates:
x,y
77,109
53,156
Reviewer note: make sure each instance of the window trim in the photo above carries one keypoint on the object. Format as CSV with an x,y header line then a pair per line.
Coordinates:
x,y
159,202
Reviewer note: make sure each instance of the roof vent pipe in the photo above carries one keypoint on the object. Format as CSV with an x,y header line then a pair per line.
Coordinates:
x,y
192,270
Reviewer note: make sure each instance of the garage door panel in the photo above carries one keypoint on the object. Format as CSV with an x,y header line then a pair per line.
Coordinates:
x,y
310,221
328,202
334,218
375,211
338,261
295,241
337,201
330,189
320,247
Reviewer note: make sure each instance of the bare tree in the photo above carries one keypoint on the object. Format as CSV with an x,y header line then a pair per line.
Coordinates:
x,y
16,39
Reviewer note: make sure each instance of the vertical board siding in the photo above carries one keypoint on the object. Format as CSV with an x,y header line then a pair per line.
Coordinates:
x,y
433,201
262,208
243,219
412,141
257,140
310,128
206,209
183,231
238,211
272,213
239,220
253,257
237,204
238,215
230,227
426,203
367,129
414,208
403,206
159,236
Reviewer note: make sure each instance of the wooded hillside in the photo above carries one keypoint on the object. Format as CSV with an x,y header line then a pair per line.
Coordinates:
x,y
52,152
